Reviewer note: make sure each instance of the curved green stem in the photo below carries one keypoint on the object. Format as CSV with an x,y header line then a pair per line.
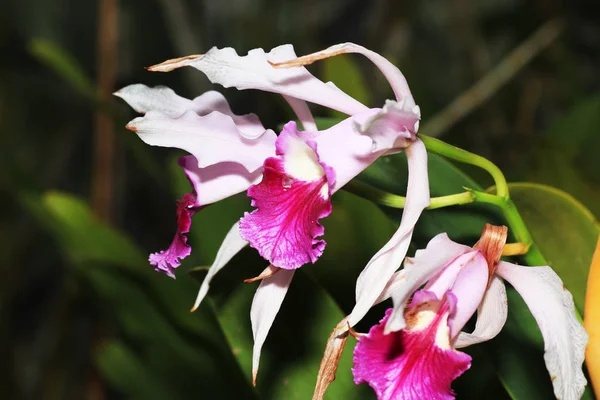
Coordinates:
x,y
382,197
506,206
516,224
447,150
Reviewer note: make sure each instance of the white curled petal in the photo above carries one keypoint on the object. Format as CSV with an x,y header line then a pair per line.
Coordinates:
x,y
144,99
390,71
393,127
491,316
565,339
253,71
380,269
265,306
232,245
303,113
212,138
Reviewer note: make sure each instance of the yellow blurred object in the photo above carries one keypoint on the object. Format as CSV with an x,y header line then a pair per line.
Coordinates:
x,y
592,321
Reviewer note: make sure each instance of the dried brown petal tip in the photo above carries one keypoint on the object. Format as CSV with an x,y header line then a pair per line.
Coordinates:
x,y
267,273
329,363
491,244
307,60
353,333
173,63
131,127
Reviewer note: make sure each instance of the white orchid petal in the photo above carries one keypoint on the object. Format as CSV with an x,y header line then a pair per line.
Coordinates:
x,y
426,264
232,245
469,289
491,316
265,306
218,181
394,284
212,138
552,307
160,98
144,99
254,71
373,279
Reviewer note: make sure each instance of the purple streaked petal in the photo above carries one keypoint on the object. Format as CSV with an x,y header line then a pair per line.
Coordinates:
x,y
291,198
491,316
426,264
210,184
232,244
253,71
144,99
212,138
414,363
552,307
265,306
219,181
166,261
375,276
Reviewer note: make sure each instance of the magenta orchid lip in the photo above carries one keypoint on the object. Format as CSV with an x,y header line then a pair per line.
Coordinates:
x,y
412,352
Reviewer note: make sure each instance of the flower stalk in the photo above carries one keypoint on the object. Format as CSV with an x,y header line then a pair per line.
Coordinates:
x,y
455,153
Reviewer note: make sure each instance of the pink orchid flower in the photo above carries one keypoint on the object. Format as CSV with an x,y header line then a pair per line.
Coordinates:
x,y
411,353
290,177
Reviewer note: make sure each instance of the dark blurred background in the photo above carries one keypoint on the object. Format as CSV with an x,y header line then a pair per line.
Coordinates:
x,y
80,316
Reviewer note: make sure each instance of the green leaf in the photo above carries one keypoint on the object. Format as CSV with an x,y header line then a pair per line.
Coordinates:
x,y
64,64
564,230
84,237
150,309
129,374
566,156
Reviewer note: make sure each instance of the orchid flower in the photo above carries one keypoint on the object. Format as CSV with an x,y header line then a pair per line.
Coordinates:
x,y
290,177
411,353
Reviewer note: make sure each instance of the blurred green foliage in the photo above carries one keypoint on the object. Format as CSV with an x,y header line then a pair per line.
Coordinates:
x,y
83,315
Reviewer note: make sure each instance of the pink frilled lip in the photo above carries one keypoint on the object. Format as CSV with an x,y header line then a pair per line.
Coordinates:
x,y
417,362
291,198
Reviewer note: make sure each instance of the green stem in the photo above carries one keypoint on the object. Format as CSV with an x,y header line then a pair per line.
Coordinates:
x,y
378,196
506,206
447,150
516,224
